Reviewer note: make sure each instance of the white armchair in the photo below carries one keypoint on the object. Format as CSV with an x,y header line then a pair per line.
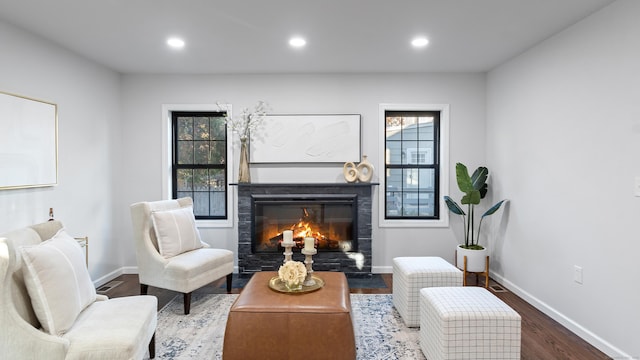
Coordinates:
x,y
49,308
176,259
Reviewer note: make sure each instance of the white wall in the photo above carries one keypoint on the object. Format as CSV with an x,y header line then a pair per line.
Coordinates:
x,y
143,97
110,145
563,140
562,143
88,102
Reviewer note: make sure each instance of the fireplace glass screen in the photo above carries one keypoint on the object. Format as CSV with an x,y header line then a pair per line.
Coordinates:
x,y
330,220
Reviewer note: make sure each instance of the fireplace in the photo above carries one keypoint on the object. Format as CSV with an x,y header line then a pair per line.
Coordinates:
x,y
337,215
330,219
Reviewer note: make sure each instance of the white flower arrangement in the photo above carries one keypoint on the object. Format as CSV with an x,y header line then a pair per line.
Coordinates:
x,y
249,119
292,273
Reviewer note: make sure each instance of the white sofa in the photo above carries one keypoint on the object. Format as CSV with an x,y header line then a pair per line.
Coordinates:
x,y
119,328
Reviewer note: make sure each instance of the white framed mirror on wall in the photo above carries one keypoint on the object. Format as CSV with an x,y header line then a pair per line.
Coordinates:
x,y
28,142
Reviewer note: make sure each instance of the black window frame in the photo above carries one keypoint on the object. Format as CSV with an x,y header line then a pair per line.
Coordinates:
x,y
176,166
436,165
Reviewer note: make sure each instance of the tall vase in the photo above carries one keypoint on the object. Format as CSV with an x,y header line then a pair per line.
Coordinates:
x,y
243,173
365,170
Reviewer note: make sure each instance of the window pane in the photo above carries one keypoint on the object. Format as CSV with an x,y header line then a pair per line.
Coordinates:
x,y
218,128
394,192
425,207
409,128
410,202
218,203
410,154
393,152
184,180
201,128
218,152
185,128
201,179
427,180
185,152
201,152
201,203
410,176
419,155
427,188
425,128
217,179
423,153
393,123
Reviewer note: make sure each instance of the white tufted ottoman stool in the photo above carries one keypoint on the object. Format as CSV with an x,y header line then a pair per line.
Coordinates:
x,y
410,274
467,323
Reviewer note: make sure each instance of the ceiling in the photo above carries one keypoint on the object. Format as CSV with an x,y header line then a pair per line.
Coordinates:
x,y
251,36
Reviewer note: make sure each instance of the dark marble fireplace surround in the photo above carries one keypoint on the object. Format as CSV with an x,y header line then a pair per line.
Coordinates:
x,y
353,264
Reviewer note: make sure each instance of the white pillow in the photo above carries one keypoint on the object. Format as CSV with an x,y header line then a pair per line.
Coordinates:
x,y
58,282
176,231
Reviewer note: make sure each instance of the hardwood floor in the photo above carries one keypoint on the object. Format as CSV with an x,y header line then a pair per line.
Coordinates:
x,y
542,337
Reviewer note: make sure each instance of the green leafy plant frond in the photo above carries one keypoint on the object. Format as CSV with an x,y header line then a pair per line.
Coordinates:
x,y
453,207
493,209
475,188
479,180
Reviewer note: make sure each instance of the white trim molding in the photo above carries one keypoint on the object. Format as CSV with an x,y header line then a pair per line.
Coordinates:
x,y
444,165
167,109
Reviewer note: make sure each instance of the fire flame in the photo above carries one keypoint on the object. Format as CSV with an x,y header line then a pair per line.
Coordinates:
x,y
304,229
307,226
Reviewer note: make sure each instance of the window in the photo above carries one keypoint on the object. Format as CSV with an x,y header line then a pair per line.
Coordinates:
x,y
199,161
415,164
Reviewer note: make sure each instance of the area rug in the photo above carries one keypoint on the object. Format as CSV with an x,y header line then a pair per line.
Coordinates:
x,y
379,330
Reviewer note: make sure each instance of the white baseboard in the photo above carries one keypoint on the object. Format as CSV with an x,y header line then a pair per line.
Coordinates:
x,y
125,270
573,326
382,269
130,270
108,277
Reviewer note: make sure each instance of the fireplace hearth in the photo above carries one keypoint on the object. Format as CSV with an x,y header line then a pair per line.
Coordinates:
x,y
338,216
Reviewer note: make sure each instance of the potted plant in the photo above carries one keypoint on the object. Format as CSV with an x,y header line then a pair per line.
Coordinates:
x,y
474,188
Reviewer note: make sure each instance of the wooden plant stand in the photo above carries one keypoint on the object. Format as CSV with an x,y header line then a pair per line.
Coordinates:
x,y
485,273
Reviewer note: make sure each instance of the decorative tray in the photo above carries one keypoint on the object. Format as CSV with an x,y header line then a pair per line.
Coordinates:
x,y
276,284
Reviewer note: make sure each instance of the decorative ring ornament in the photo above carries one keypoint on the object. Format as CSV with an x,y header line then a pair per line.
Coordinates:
x,y
350,172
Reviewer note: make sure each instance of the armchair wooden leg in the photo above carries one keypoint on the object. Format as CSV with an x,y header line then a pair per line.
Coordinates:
x,y
144,289
187,303
229,282
152,346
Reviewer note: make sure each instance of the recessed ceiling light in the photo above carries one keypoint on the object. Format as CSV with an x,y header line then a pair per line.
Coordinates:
x,y
175,43
297,42
419,42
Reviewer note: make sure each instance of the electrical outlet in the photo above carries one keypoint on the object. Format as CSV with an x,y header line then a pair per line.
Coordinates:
x,y
577,274
636,188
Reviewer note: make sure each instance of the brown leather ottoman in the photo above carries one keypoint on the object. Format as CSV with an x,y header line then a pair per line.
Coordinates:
x,y
265,324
